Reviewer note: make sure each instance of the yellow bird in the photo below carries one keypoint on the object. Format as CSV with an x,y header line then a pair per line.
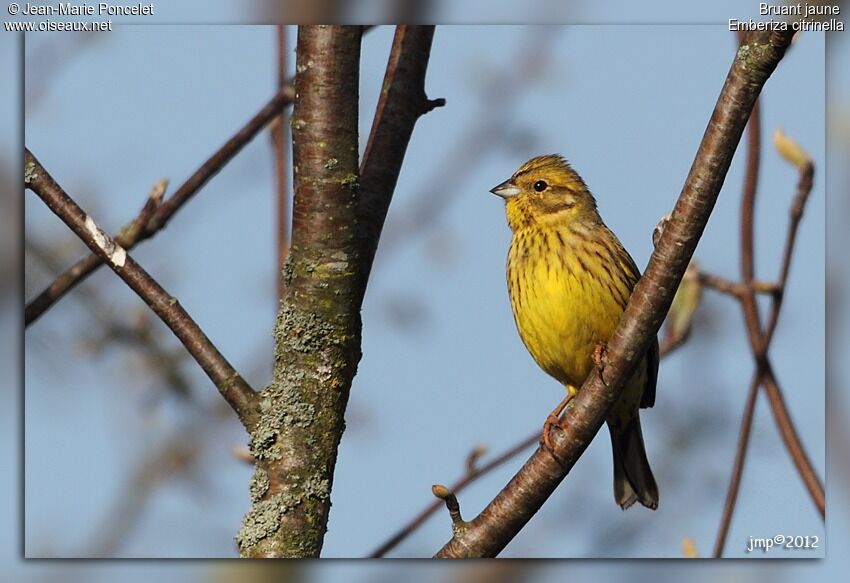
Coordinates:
x,y
569,279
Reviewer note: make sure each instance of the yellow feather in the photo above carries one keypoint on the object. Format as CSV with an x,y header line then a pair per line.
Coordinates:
x,y
569,280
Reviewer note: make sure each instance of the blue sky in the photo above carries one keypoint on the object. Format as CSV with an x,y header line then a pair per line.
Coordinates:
x,y
443,369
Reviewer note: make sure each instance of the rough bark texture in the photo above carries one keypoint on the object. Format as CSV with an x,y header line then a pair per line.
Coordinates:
x,y
513,507
337,220
297,422
318,326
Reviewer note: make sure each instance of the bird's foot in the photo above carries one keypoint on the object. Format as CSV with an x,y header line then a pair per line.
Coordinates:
x,y
553,420
600,358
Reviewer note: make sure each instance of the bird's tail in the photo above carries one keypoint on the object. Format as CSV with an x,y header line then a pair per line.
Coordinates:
x,y
633,480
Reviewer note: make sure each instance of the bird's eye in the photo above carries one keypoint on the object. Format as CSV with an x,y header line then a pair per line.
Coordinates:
x,y
540,185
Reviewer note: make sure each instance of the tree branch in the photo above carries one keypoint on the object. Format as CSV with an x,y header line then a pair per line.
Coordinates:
x,y
513,507
402,102
230,384
737,468
760,343
791,438
734,288
129,237
333,242
475,471
805,182
318,326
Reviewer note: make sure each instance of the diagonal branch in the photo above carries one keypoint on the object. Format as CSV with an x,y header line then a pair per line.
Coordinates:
x,y
488,533
475,471
805,182
129,238
737,468
791,438
400,105
230,384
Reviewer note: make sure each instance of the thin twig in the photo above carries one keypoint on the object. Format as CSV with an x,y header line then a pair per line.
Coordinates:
x,y
129,238
747,236
804,189
472,474
735,289
760,343
231,385
513,507
475,471
748,198
737,468
791,438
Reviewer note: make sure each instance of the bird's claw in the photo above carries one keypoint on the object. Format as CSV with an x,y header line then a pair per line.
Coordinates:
x,y
552,421
600,357
600,353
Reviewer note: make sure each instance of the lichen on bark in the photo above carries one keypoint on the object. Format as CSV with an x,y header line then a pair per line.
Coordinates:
x,y
335,235
317,333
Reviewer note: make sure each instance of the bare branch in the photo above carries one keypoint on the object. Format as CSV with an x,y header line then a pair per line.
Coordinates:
x,y
805,183
791,438
318,330
475,471
130,237
747,235
737,468
760,342
513,507
230,384
401,103
735,289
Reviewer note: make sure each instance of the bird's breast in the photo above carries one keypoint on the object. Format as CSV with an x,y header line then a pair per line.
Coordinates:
x,y
565,299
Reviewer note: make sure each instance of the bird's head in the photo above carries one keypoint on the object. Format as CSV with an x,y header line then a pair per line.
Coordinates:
x,y
546,191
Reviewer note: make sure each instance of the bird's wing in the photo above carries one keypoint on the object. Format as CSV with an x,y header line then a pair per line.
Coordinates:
x,y
652,357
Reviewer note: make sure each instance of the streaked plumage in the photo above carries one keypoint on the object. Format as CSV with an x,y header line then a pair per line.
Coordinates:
x,y
569,280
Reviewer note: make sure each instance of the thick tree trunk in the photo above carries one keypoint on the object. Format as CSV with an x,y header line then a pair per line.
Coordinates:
x,y
337,222
318,327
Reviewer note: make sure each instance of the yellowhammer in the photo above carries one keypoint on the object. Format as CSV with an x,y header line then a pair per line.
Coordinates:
x,y
569,279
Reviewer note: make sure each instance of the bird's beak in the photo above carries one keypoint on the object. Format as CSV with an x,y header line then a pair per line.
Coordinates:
x,y
506,190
